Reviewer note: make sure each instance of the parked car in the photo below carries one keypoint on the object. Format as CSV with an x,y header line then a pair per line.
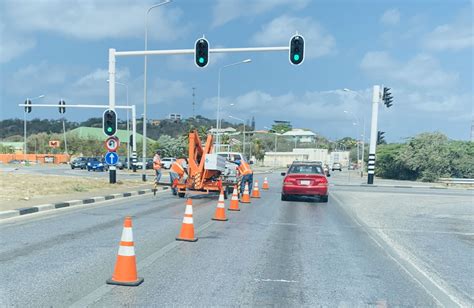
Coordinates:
x,y
305,179
336,166
149,163
79,163
96,164
167,161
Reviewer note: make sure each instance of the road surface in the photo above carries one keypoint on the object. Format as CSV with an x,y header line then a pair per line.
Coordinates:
x,y
348,252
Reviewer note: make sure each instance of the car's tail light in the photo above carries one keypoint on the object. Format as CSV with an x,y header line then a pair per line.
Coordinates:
x,y
289,181
321,181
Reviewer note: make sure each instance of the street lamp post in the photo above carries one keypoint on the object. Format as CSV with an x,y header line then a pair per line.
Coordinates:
x,y
144,86
219,99
24,125
243,124
363,133
128,125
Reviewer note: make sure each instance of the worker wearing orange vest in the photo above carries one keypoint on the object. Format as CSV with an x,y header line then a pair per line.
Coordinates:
x,y
157,166
177,171
246,173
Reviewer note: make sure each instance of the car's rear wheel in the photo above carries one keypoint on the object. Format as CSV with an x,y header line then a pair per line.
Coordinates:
x,y
284,197
181,194
324,199
72,167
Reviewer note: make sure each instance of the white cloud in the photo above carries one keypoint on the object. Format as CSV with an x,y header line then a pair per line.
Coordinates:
x,y
317,41
228,10
390,17
13,45
420,71
163,91
455,36
90,19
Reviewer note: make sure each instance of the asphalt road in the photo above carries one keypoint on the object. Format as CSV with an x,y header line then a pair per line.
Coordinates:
x,y
270,253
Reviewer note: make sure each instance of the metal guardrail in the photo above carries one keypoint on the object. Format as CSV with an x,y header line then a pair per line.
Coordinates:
x,y
452,181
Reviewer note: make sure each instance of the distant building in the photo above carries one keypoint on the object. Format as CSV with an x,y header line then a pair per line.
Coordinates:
x,y
154,122
13,147
283,159
301,135
174,116
94,133
224,131
277,122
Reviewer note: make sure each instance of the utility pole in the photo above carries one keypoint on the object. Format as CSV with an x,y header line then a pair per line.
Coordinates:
x,y
373,134
65,139
194,104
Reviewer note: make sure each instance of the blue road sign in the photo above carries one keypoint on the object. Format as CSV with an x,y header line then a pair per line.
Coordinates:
x,y
111,158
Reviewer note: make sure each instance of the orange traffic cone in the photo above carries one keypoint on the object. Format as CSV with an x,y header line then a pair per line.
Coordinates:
x,y
234,202
255,191
265,185
187,228
246,195
220,209
125,272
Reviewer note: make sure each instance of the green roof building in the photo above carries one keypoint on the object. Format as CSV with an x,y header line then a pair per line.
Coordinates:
x,y
96,133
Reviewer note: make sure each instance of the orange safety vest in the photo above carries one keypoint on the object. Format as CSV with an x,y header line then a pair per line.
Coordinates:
x,y
156,164
244,169
177,167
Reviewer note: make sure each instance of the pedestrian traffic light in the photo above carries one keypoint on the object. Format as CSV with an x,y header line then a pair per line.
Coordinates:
x,y
109,122
380,137
296,49
387,97
28,108
62,109
201,52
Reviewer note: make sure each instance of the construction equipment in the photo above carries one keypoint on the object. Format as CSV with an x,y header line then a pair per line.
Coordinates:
x,y
204,168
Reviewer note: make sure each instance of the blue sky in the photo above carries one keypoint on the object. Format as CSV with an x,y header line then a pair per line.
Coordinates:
x,y
423,50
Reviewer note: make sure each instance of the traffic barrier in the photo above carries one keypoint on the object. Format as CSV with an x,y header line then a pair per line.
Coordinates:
x,y
234,201
220,209
187,228
125,272
246,195
255,191
265,185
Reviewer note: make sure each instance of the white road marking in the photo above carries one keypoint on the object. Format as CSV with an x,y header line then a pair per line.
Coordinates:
x,y
275,280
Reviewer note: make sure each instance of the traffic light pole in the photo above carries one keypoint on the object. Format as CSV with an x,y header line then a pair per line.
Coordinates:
x,y
373,134
113,54
134,121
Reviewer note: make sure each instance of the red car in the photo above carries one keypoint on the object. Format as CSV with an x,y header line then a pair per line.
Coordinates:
x,y
305,179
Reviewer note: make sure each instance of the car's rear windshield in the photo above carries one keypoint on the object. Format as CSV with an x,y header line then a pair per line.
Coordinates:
x,y
305,169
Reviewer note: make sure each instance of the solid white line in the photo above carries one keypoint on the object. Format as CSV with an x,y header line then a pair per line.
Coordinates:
x,y
275,280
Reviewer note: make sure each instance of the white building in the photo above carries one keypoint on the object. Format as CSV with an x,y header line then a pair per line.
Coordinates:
x,y
301,135
283,159
224,131
340,157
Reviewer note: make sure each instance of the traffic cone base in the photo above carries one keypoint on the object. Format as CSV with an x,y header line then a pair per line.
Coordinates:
x,y
125,272
187,228
234,201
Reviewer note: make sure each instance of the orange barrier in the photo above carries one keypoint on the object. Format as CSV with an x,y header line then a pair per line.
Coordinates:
x,y
265,185
37,158
187,228
234,201
255,191
220,209
125,272
246,195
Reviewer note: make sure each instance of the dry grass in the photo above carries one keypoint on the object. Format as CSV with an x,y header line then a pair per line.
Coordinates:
x,y
23,187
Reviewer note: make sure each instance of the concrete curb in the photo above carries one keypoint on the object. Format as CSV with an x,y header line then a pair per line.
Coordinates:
x,y
70,203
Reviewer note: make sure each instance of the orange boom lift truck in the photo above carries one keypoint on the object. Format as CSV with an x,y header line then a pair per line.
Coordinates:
x,y
204,168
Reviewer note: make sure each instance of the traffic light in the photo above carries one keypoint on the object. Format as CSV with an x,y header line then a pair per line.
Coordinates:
x,y
130,143
201,52
296,49
109,122
387,97
380,137
28,108
62,109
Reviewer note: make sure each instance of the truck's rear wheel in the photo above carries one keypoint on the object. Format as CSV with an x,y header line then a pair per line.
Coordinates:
x,y
181,194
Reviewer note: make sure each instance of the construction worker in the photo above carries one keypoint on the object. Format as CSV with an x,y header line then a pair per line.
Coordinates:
x,y
246,173
157,166
177,171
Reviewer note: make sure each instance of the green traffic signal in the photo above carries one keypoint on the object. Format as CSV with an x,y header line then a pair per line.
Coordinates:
x,y
296,57
109,129
201,60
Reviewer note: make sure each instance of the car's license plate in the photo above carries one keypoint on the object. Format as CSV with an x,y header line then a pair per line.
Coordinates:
x,y
304,182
